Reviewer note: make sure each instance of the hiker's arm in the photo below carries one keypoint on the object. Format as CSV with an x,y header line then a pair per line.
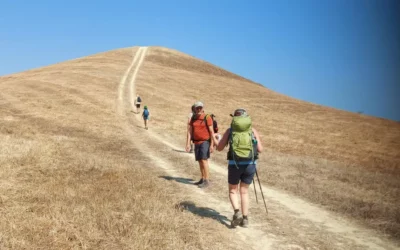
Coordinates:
x,y
211,130
188,135
212,145
224,141
188,124
258,138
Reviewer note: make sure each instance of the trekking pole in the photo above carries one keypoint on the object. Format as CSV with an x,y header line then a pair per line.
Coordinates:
x,y
255,192
261,191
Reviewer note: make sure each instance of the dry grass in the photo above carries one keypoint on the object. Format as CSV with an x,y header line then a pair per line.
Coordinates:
x,y
71,177
347,162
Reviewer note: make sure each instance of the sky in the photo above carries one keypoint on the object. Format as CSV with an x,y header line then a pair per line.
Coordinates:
x,y
343,54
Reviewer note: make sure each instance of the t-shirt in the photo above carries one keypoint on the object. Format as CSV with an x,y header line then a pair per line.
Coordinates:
x,y
200,129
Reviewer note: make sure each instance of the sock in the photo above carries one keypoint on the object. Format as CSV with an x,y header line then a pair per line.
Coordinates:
x,y
236,210
244,216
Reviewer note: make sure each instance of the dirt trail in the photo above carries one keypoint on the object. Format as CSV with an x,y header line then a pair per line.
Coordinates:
x,y
292,223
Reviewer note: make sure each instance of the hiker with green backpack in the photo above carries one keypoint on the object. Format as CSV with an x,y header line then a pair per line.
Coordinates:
x,y
244,145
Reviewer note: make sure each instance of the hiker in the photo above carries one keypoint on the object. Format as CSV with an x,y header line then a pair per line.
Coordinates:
x,y
188,127
138,101
244,146
202,134
146,116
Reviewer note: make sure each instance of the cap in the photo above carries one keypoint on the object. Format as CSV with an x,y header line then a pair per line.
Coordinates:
x,y
240,112
145,106
198,104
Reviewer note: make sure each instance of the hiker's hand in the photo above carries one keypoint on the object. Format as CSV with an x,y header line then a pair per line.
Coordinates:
x,y
212,149
187,148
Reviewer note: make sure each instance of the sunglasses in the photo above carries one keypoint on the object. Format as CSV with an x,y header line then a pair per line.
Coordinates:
x,y
199,107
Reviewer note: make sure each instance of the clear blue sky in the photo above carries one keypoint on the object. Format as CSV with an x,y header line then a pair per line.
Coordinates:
x,y
339,53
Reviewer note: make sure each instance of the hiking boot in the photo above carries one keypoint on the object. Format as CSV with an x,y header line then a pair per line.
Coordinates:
x,y
237,219
205,184
245,222
199,182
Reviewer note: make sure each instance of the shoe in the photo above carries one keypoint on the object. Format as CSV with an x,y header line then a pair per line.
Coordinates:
x,y
244,223
199,182
205,184
237,219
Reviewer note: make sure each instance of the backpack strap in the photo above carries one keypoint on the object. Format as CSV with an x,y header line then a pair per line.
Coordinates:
x,y
230,140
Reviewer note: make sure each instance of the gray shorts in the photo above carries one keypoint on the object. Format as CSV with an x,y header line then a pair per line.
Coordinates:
x,y
202,151
243,172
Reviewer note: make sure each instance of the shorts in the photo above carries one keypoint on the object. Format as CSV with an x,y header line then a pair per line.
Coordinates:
x,y
146,118
137,105
202,151
243,172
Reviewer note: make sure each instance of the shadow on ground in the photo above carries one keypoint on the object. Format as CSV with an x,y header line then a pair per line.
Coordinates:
x,y
203,212
178,179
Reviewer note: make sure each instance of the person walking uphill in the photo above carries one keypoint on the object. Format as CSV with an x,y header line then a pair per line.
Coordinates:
x,y
146,116
244,146
138,101
202,134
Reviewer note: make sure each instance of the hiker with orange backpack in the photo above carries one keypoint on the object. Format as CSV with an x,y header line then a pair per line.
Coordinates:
x,y
244,145
202,134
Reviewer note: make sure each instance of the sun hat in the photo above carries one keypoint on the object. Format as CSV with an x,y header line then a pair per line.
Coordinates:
x,y
145,106
198,104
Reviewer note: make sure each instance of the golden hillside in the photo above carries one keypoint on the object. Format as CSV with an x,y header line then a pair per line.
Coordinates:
x,y
77,169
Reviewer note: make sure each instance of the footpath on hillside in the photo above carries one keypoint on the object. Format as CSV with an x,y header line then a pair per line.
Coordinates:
x,y
291,224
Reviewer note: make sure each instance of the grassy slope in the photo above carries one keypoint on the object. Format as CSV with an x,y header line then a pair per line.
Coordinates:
x,y
66,164
69,176
348,162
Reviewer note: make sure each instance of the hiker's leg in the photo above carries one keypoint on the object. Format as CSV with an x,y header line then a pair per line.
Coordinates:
x,y
246,179
244,195
233,196
202,155
233,180
201,169
197,154
204,169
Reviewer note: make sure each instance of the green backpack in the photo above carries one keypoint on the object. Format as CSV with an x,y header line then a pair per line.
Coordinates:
x,y
242,143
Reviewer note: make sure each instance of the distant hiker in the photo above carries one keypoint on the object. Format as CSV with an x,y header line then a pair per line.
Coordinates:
x,y
188,127
202,134
146,116
138,101
244,146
